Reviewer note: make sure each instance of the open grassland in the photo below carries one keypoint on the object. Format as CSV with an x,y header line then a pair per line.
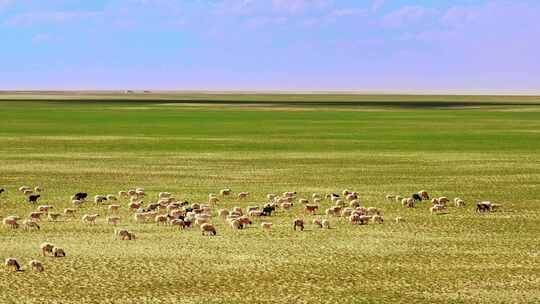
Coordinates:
x,y
476,148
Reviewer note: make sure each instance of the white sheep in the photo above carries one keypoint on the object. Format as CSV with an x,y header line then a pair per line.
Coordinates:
x,y
377,219
390,197
243,195
22,188
29,224
399,219
113,220
111,197
325,224
266,225
225,192
11,222
112,209
70,212
89,218
458,202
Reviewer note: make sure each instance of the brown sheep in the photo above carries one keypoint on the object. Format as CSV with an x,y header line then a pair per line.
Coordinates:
x,y
311,208
208,229
46,248
58,252
298,222
12,264
36,265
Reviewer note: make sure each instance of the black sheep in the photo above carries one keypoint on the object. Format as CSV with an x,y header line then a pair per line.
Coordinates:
x,y
417,197
2,190
267,210
33,198
80,196
483,207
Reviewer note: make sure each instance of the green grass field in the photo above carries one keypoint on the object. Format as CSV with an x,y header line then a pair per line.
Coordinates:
x,y
474,147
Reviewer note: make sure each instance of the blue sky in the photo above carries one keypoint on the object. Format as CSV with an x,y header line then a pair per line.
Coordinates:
x,y
366,45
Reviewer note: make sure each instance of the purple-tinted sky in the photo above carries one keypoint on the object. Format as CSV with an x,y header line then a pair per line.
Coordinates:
x,y
376,45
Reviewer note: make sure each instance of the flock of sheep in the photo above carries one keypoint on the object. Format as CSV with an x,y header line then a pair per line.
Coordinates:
x,y
167,210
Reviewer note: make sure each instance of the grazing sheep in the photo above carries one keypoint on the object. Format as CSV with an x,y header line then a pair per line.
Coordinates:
x,y
58,252
377,219
423,194
351,196
208,229
354,218
255,213
164,195
298,222
390,197
44,208
113,209
289,194
99,199
339,203
459,202
36,265
316,196
345,192
236,224
483,206
334,211
29,224
303,201
354,203
286,205
443,200
161,219
35,216
223,212
408,202
80,196
122,194
33,198
53,217
435,201
373,211
77,202
23,188
416,197
317,201
11,222
178,222
347,211
437,209
38,189
134,205
111,197
177,214
132,192
11,263
124,235
311,208
268,209
399,198
243,195
364,219
113,220
2,190
399,219
70,212
225,192
325,224
266,225
317,222
46,248
213,200
28,192
89,218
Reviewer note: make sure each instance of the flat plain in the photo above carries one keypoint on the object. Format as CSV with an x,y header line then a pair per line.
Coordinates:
x,y
474,147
